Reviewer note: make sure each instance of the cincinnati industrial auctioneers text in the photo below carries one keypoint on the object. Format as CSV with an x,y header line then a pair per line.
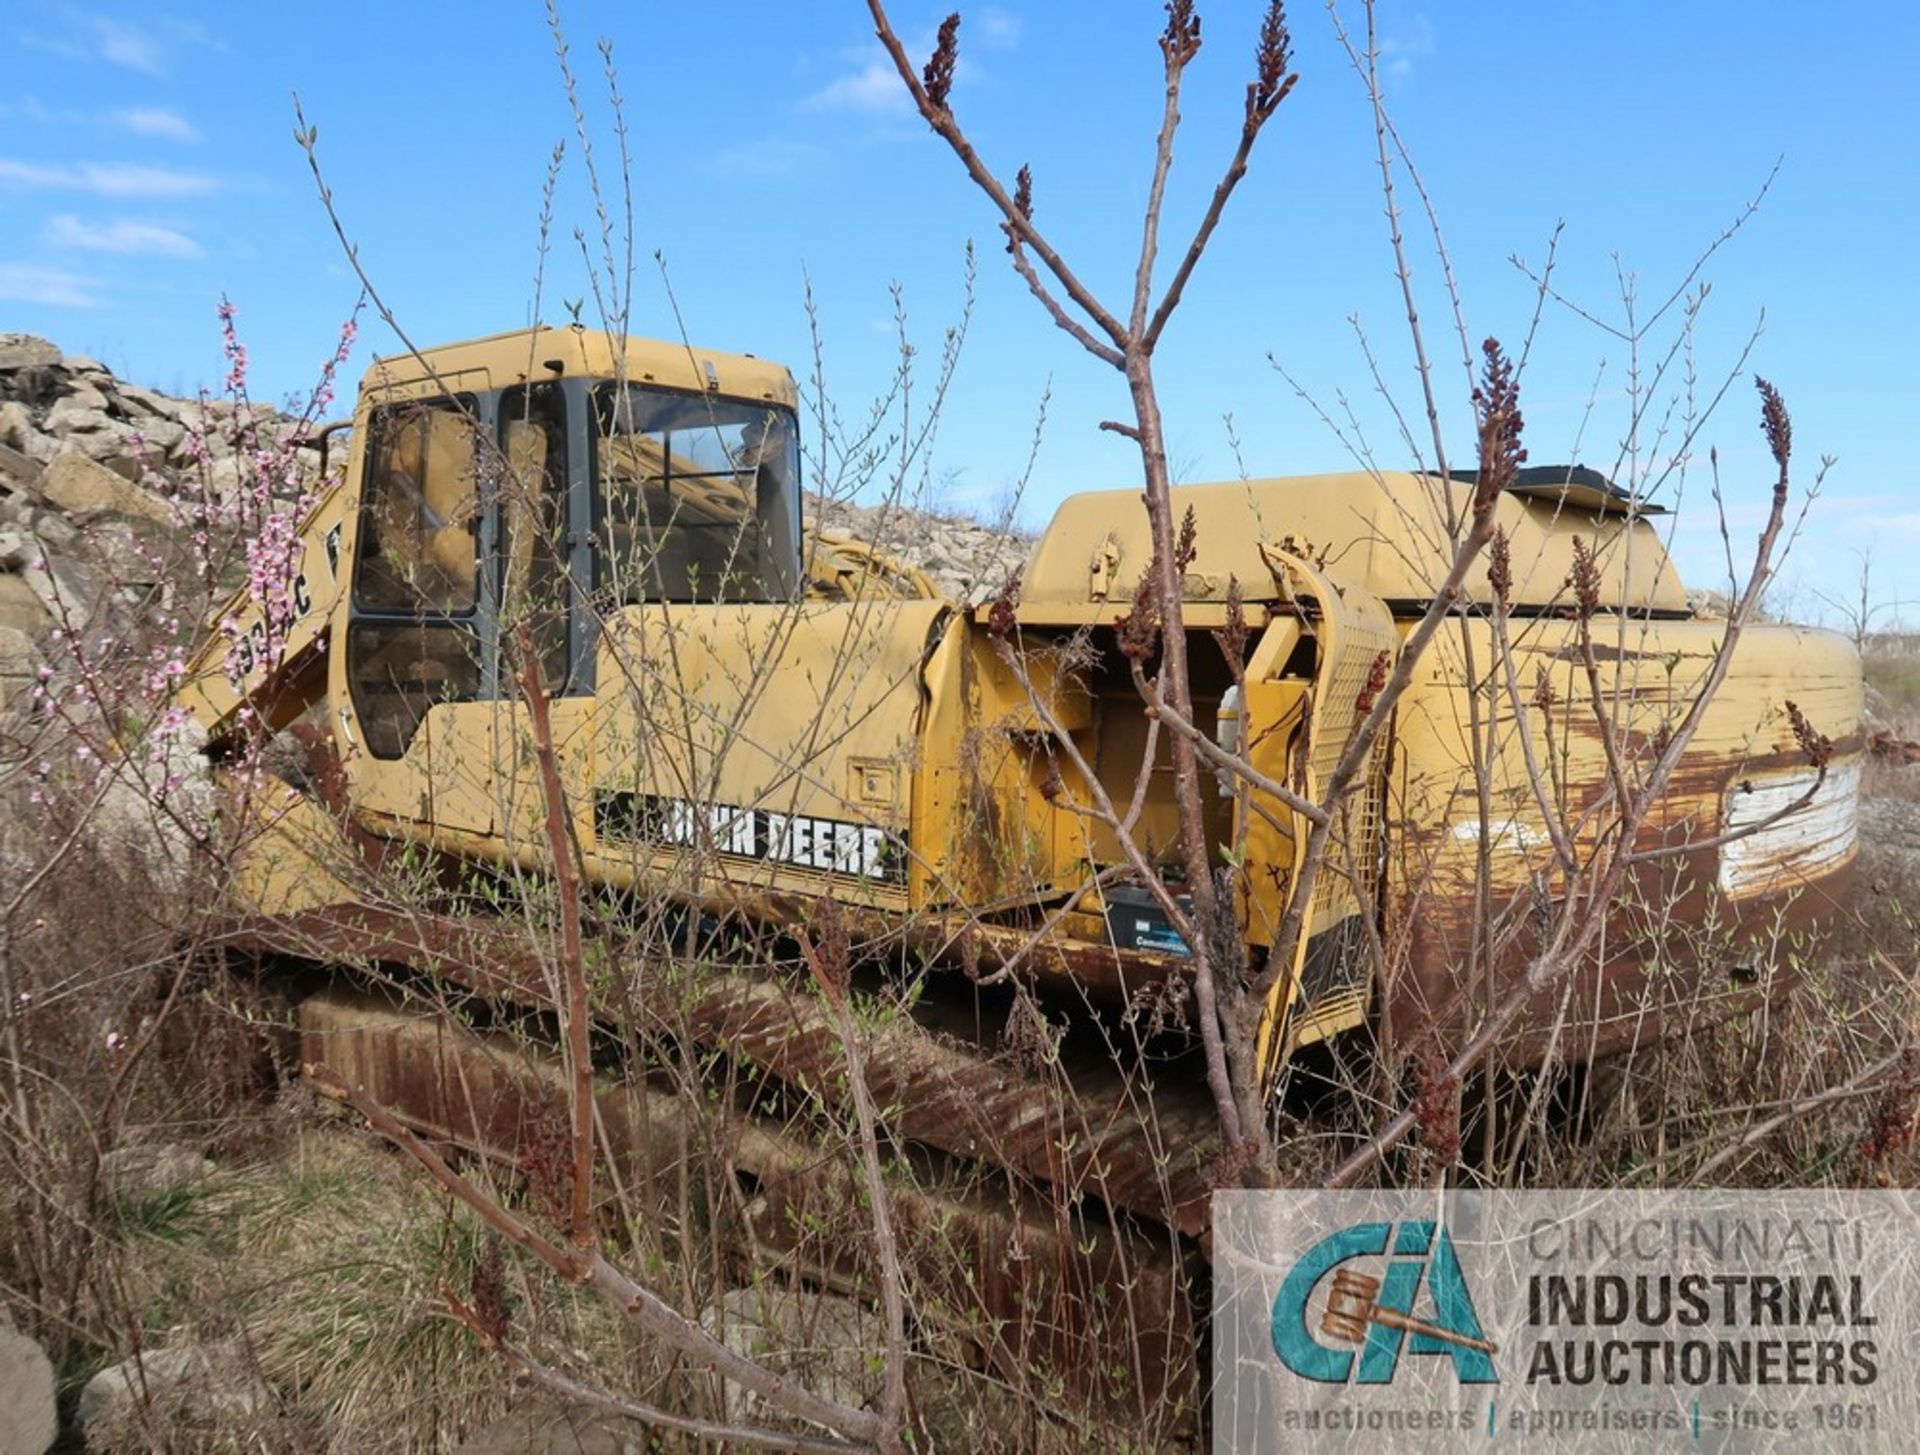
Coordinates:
x,y
1635,1328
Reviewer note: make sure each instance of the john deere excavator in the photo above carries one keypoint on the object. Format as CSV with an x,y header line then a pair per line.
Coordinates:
x,y
751,719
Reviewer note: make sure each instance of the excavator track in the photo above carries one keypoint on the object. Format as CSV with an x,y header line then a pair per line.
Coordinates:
x,y
1057,1213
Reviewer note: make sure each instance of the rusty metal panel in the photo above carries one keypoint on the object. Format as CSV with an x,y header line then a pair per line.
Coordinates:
x,y
1680,936
1096,1130
1031,1284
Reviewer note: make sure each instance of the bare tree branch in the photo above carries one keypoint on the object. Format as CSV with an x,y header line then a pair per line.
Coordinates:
x,y
1018,225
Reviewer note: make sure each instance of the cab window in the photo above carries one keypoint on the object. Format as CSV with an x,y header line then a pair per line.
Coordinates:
x,y
697,497
420,511
413,641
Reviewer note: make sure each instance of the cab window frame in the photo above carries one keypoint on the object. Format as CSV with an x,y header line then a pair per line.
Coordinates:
x,y
786,566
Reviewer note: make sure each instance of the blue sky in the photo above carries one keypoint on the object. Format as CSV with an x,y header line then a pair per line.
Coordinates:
x,y
147,166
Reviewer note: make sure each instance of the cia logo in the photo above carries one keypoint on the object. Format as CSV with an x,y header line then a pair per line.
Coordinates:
x,y
1375,1315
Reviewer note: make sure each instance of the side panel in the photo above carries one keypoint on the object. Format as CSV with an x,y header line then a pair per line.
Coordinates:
x,y
780,744
1683,942
989,803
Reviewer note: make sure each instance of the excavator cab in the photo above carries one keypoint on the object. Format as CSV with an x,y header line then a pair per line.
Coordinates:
x,y
626,517
544,508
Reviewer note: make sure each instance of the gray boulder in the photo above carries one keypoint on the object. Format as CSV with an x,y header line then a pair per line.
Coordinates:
x,y
81,488
150,1169
820,1340
21,607
194,1384
19,664
67,590
544,1429
29,1420
18,655
16,425
71,415
24,351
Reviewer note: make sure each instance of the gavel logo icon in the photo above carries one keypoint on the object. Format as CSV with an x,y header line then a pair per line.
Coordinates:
x,y
1354,1302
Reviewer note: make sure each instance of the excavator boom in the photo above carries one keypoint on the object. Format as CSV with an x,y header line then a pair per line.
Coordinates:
x,y
264,660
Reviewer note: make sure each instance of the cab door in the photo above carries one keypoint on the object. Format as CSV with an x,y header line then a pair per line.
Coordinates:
x,y
416,632
469,538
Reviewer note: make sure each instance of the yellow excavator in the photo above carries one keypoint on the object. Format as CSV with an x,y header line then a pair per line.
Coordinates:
x,y
750,717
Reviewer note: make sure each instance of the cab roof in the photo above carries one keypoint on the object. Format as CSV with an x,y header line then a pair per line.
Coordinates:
x,y
545,352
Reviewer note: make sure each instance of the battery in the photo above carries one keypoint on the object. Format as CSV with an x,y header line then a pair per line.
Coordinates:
x,y
1136,921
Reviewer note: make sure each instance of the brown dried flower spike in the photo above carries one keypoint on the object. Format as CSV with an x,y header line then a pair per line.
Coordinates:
x,y
1138,632
1181,40
1001,618
1271,57
1496,401
1187,546
1775,423
1375,683
1815,746
1585,579
1233,639
492,1307
1500,567
1892,1125
938,75
1544,696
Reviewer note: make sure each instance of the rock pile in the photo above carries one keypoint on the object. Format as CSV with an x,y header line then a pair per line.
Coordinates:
x,y
966,559
211,1390
87,460
53,404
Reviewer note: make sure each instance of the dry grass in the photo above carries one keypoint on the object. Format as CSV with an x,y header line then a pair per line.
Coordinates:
x,y
318,1268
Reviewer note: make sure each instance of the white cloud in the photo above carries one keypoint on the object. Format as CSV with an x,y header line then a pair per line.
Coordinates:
x,y
119,235
999,28
30,108
156,121
121,44
873,85
106,179
54,287
1872,524
89,37
1403,42
875,88
148,47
